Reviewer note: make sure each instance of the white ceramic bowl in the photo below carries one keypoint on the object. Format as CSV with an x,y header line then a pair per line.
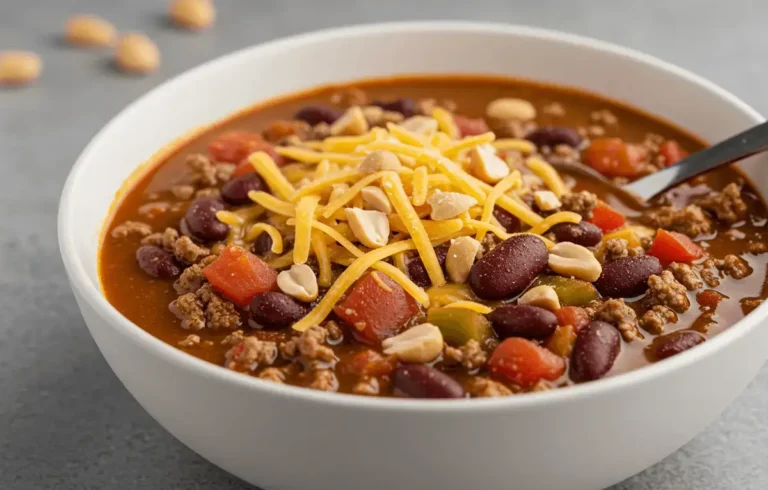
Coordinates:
x,y
274,436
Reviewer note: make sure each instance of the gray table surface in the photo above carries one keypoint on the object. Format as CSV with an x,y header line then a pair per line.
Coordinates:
x,y
66,422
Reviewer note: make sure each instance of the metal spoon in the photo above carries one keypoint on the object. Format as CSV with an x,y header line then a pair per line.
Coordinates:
x,y
735,148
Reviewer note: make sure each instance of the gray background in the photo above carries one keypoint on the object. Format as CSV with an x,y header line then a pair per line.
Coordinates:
x,y
65,420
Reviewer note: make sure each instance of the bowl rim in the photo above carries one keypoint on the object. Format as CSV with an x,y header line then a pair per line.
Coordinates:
x,y
94,297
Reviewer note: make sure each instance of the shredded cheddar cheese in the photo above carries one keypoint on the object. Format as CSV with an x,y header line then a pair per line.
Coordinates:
x,y
320,248
272,175
470,305
310,156
305,212
259,228
445,122
554,219
271,203
548,174
498,190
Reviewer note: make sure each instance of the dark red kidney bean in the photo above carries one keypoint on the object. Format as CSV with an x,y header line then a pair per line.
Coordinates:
x,y
277,310
509,268
315,114
262,245
235,192
554,135
628,276
583,233
596,348
422,381
406,107
528,321
674,343
201,221
157,262
416,270
509,221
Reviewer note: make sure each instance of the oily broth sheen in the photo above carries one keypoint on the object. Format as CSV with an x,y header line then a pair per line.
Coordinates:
x,y
144,300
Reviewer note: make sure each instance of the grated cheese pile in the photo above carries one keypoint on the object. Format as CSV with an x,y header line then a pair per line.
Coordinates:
x,y
410,162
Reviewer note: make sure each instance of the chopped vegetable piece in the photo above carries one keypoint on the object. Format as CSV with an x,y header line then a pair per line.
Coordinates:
x,y
572,315
371,363
235,146
709,298
561,342
525,363
450,293
671,246
570,291
613,157
672,152
240,276
606,218
374,312
459,325
468,126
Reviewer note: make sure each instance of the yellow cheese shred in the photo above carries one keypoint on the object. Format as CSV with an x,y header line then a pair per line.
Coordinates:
x,y
380,282
523,146
259,228
518,209
271,203
310,156
305,213
487,227
320,249
322,169
317,186
548,174
272,175
340,201
394,147
393,187
346,280
347,144
282,262
471,305
467,143
420,185
552,220
445,122
229,218
435,229
405,136
400,262
511,180
458,177
440,140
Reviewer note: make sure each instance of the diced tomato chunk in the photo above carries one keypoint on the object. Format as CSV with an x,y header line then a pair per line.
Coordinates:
x,y
572,315
671,246
672,152
243,168
613,157
606,218
371,363
240,276
525,363
709,298
235,146
376,308
470,127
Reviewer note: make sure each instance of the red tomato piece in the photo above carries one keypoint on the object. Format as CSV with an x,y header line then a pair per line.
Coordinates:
x,y
671,246
240,276
572,315
243,168
614,158
606,218
672,152
375,312
709,298
235,146
525,363
371,363
470,127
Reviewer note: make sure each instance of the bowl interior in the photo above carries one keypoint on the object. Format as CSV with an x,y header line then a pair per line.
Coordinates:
x,y
228,84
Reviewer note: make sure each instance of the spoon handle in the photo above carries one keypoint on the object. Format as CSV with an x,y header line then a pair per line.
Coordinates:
x,y
751,141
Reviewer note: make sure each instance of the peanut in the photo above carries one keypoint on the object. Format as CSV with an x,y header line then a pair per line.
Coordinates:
x,y
419,344
379,160
374,198
192,14
506,109
351,123
546,200
371,228
486,165
571,260
89,30
299,282
460,258
423,125
19,67
136,53
447,205
541,296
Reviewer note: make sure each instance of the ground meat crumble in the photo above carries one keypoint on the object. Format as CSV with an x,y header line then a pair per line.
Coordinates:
x,y
470,356
323,380
249,354
617,313
205,308
664,290
727,205
734,266
481,387
131,228
653,320
685,276
617,248
188,251
689,220
582,202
